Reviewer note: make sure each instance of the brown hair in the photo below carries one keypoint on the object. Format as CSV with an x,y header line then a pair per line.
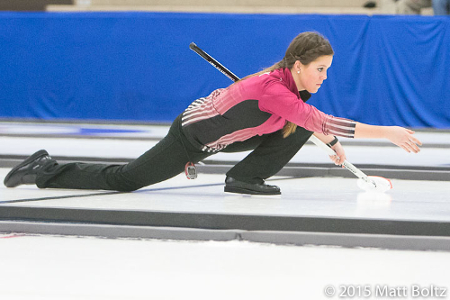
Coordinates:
x,y
305,47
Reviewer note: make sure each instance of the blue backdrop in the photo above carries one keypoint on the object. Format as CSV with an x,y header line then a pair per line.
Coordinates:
x,y
135,66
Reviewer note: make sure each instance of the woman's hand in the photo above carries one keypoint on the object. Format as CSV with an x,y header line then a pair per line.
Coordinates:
x,y
340,157
403,138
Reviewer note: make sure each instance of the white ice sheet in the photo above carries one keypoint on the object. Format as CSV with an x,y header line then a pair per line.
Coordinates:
x,y
60,268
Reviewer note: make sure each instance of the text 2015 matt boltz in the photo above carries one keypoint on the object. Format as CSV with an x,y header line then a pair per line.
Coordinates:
x,y
368,291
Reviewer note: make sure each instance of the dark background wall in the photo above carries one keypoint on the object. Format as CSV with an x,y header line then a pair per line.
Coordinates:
x,y
30,5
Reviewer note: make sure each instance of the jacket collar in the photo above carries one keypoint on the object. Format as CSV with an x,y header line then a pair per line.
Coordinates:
x,y
286,76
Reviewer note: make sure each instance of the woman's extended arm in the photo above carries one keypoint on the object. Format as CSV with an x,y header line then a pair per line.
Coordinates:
x,y
399,136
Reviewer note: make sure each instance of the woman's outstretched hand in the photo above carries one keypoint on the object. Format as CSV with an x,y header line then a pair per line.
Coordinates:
x,y
399,136
404,138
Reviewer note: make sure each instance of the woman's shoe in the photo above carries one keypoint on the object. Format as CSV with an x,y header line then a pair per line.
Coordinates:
x,y
239,187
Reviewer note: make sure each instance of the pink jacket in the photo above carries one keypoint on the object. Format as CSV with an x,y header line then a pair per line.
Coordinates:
x,y
255,106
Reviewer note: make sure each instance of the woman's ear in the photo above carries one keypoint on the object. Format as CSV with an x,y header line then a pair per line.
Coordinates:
x,y
297,67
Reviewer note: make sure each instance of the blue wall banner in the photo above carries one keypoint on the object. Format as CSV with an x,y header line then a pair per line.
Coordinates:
x,y
137,66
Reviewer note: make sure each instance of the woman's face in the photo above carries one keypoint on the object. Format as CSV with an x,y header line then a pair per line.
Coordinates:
x,y
311,76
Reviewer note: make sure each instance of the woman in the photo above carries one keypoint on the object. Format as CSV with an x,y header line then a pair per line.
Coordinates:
x,y
264,112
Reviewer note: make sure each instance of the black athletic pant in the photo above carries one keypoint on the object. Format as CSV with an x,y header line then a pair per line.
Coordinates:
x,y
168,158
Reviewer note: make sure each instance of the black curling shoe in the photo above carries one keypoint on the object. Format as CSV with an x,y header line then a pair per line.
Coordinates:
x,y
239,187
25,172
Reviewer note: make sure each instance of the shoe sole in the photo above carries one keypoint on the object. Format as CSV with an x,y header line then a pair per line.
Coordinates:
x,y
24,163
238,190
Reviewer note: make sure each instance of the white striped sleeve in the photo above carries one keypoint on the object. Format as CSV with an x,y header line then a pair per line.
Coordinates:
x,y
339,126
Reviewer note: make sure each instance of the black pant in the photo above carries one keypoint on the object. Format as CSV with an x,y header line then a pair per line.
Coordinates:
x,y
168,158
